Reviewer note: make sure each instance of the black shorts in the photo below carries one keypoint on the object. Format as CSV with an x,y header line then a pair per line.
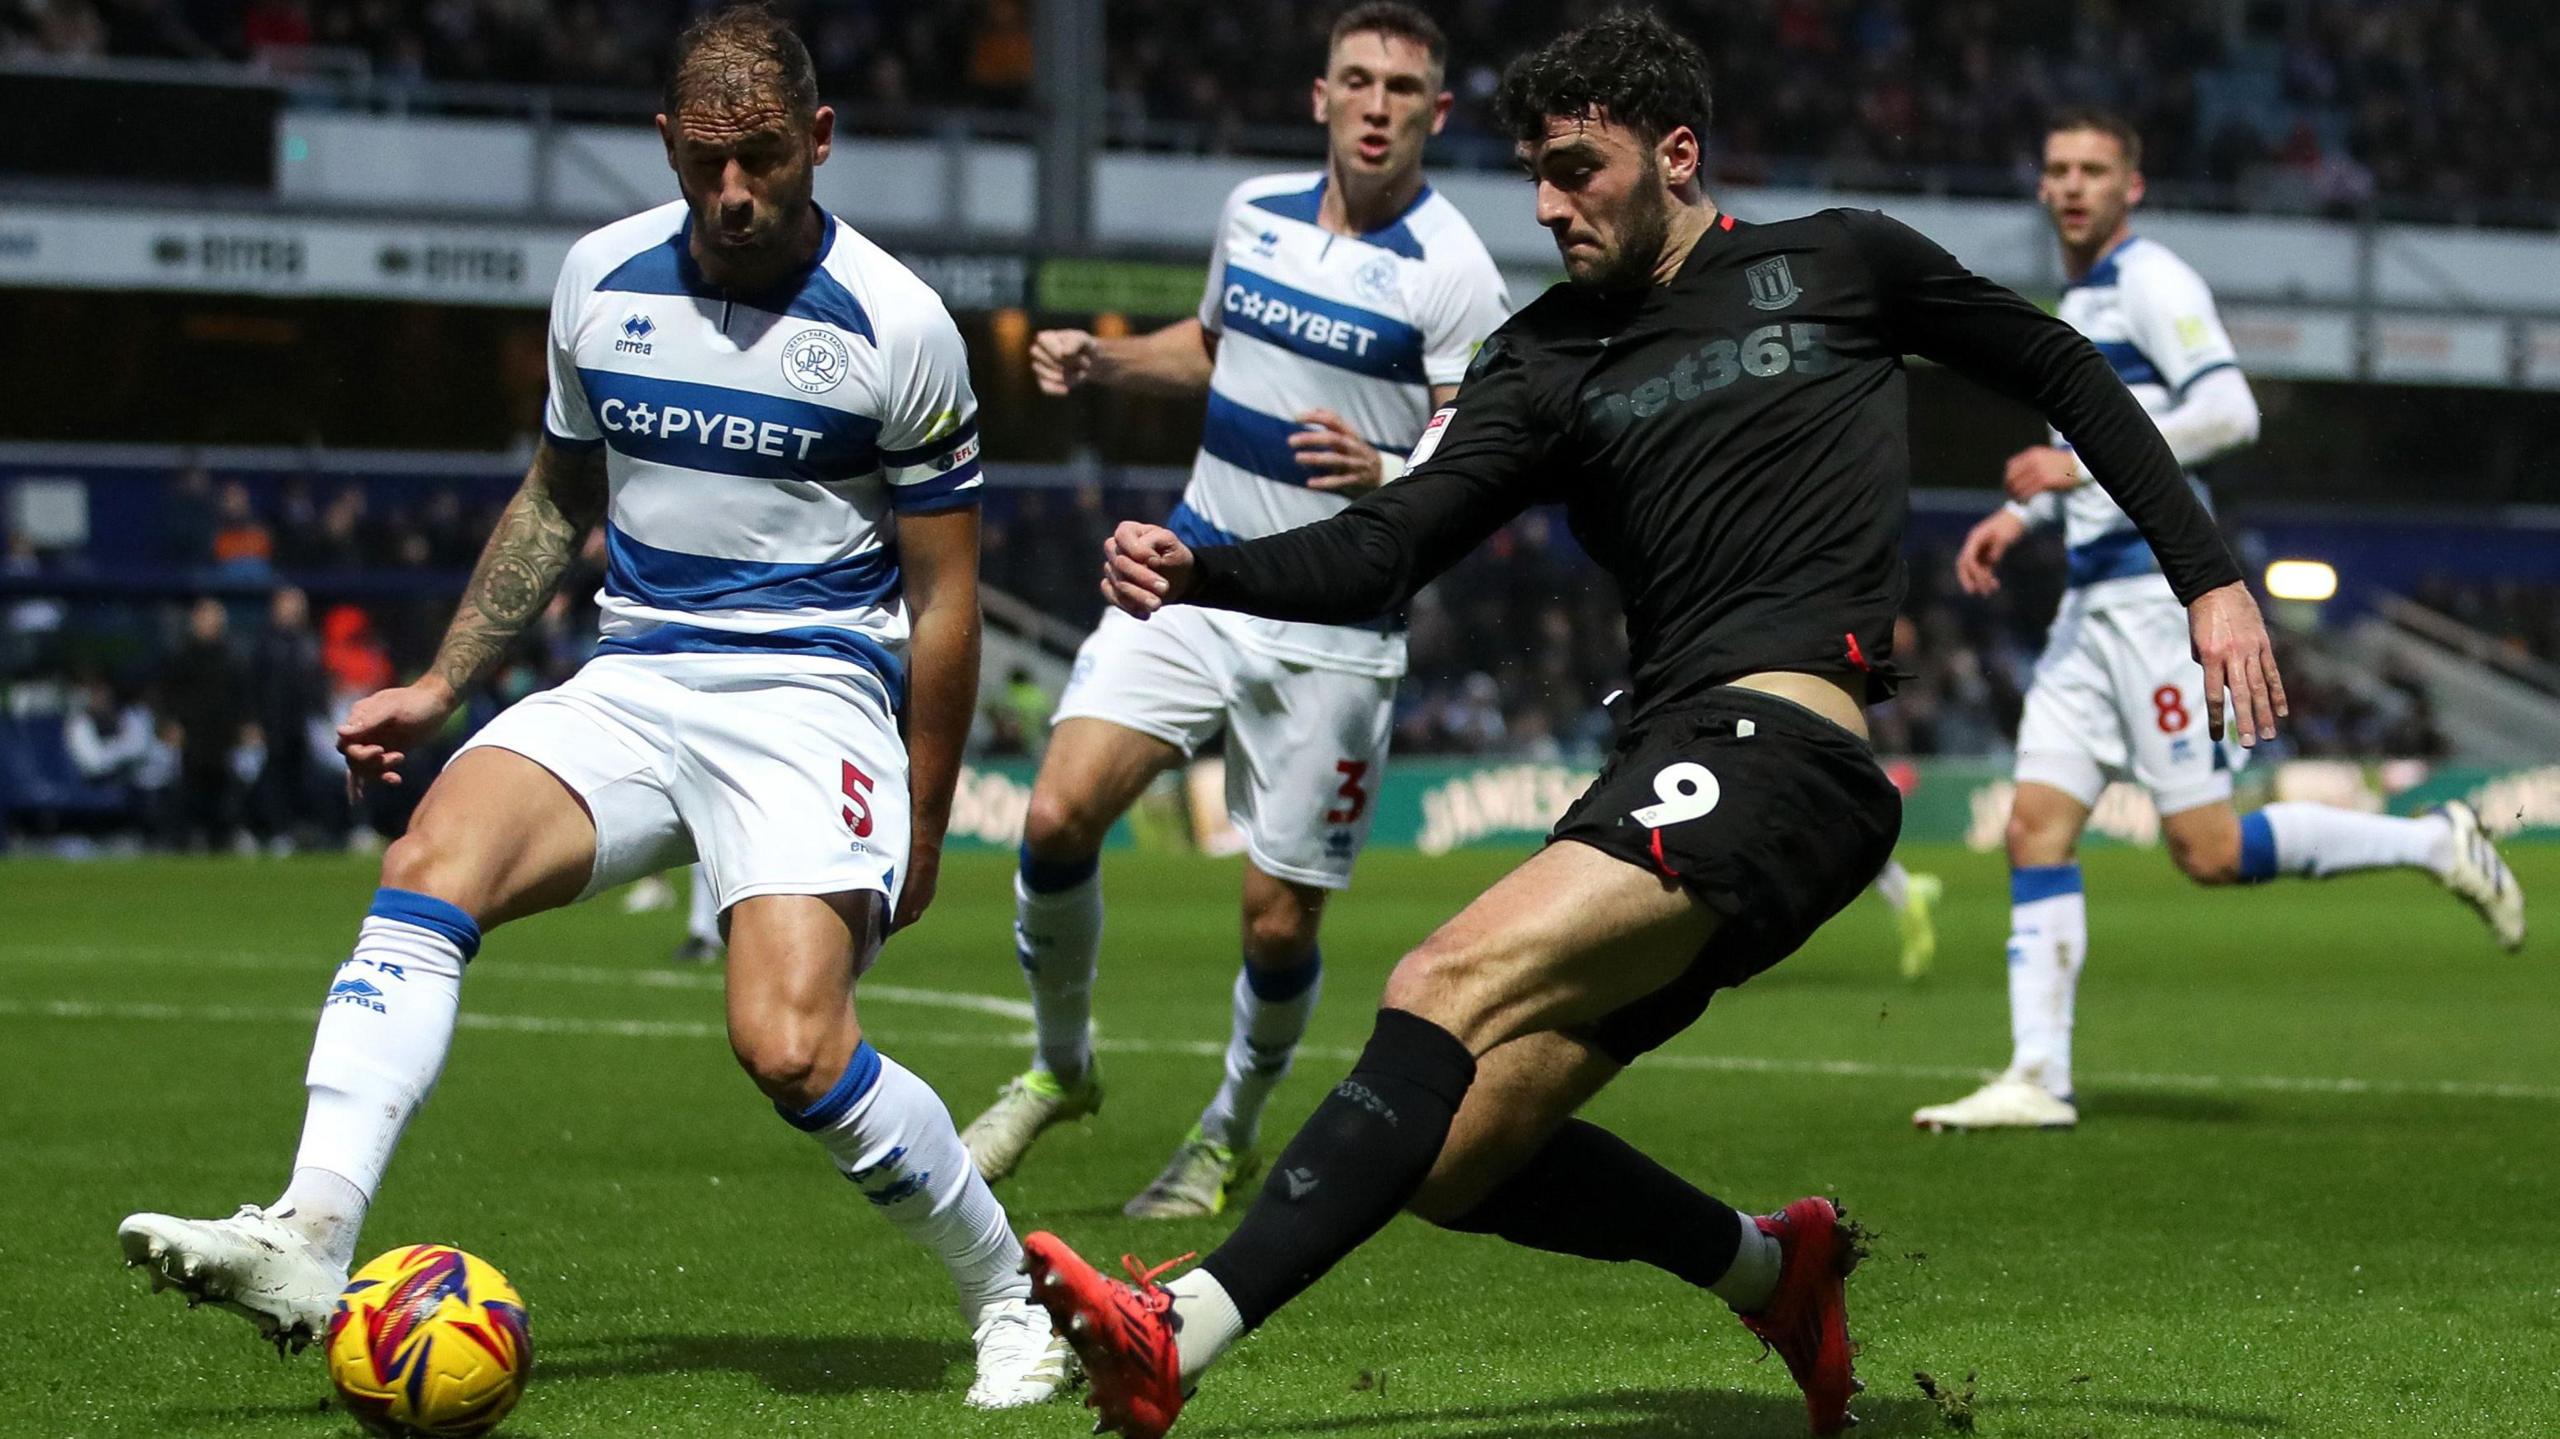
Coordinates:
x,y
1774,816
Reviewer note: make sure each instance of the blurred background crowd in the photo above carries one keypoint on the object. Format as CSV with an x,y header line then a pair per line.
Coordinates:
x,y
2433,104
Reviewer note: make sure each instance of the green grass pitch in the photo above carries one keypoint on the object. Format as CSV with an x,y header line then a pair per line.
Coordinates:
x,y
2316,1191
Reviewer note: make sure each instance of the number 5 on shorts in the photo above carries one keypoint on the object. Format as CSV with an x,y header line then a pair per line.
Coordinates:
x,y
857,788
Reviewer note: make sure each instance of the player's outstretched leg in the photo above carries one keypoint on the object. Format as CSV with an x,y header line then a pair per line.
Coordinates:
x,y
1275,995
384,1029
1517,1166
1913,898
791,1022
2318,841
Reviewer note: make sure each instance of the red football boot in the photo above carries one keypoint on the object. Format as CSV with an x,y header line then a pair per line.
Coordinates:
x,y
1807,1318
1122,1332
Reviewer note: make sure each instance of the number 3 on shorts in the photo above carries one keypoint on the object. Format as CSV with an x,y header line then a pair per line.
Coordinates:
x,y
1686,791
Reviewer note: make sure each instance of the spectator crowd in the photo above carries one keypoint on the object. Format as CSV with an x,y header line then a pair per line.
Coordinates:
x,y
204,720
2322,102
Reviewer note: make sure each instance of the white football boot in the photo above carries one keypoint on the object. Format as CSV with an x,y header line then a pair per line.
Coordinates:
x,y
2481,879
250,1264
1020,1362
1197,1182
1029,1103
2010,1102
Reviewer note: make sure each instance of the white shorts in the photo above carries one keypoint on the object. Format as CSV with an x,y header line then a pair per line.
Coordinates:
x,y
1305,745
2118,694
781,781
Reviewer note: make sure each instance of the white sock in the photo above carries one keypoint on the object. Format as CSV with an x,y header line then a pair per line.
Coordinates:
x,y
702,920
889,1133
2048,940
1270,1014
1057,935
1893,885
326,1210
384,1031
1205,1321
2319,841
1753,1278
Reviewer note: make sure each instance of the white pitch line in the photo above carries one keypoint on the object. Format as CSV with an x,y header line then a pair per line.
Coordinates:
x,y
601,975
1205,1049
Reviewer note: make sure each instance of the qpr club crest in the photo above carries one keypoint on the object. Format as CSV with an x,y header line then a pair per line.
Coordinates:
x,y
1773,285
1376,281
815,362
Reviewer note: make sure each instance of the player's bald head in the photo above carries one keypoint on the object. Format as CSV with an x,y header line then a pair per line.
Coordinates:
x,y
741,65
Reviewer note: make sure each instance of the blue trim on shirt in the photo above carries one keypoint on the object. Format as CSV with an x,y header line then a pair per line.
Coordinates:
x,y
1195,529
955,490
752,434
1312,327
440,917
2106,271
2033,882
1251,440
812,294
2189,382
938,445
850,646
860,1074
2130,364
1395,236
673,580
2116,555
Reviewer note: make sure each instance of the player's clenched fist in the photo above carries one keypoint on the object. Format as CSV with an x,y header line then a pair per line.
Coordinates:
x,y
384,726
1144,568
1061,360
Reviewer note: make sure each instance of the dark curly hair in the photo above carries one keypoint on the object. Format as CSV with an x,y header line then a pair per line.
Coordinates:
x,y
1642,73
738,54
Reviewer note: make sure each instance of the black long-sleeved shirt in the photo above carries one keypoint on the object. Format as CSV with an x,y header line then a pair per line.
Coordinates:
x,y
1733,447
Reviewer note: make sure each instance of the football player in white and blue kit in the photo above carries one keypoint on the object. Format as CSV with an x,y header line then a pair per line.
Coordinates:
x,y
772,420
1341,310
2117,692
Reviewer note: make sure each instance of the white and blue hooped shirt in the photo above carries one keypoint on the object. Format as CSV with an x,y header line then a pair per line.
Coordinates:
x,y
1308,319
758,447
2153,317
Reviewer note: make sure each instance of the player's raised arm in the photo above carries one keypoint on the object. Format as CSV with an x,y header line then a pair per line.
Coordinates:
x,y
561,499
1173,361
1937,308
1481,461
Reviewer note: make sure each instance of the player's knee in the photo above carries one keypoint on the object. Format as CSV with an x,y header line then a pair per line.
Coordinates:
x,y
426,861
1452,983
2206,859
1279,933
786,1056
1055,827
2034,839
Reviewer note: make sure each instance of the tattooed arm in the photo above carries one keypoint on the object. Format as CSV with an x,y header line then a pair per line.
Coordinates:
x,y
563,496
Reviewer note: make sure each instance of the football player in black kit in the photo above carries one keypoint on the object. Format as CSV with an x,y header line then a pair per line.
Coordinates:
x,y
1720,409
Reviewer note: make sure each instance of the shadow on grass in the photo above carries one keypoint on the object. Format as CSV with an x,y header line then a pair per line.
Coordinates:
x,y
1616,1414
2174,1105
784,1363
1710,1414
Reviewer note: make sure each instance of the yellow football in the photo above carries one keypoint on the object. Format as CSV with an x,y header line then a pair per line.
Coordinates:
x,y
429,1341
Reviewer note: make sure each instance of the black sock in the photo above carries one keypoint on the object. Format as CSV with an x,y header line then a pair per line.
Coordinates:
x,y
1362,1154
1595,1196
